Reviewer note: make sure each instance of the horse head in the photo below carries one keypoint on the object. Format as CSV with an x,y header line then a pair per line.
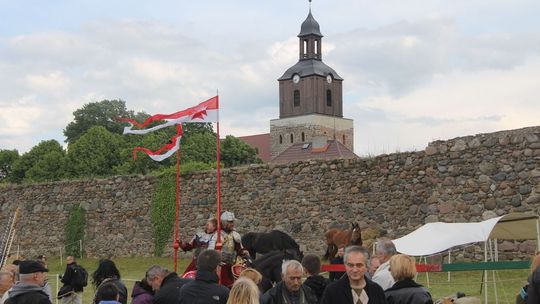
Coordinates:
x,y
293,254
356,235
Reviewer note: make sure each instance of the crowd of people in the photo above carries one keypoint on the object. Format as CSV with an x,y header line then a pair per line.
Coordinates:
x,y
385,277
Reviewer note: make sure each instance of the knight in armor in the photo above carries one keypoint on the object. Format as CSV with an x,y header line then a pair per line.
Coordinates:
x,y
231,248
201,240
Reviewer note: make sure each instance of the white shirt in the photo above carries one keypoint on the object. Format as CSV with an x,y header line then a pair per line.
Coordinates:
x,y
383,277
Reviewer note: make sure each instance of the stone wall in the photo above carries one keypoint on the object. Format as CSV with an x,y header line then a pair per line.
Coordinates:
x,y
117,215
463,179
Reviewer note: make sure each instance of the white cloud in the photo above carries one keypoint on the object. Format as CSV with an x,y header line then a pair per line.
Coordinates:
x,y
20,117
455,104
414,71
55,83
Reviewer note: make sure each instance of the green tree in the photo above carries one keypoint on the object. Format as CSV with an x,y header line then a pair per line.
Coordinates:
x,y
199,147
96,153
235,152
197,128
50,167
7,159
103,113
38,156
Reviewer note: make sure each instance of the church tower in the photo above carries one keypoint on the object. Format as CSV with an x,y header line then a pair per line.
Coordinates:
x,y
310,98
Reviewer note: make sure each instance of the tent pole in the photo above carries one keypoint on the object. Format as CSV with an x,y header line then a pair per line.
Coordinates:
x,y
491,245
427,272
496,245
485,274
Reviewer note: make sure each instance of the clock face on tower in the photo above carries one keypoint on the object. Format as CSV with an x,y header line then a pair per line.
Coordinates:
x,y
296,78
329,78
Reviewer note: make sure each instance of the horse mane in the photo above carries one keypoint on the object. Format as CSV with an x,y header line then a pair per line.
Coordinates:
x,y
287,240
249,237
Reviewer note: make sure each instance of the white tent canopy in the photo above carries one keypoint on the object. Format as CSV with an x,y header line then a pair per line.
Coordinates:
x,y
437,237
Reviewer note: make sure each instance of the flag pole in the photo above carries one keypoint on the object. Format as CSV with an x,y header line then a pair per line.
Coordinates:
x,y
176,243
218,173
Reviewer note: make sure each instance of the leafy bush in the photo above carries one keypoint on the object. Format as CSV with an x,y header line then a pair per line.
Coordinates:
x,y
164,202
74,231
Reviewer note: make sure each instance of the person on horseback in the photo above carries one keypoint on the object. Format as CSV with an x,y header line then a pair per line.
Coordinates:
x,y
231,247
202,240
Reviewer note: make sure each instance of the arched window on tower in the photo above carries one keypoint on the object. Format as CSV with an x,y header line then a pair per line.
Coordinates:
x,y
296,96
328,98
344,139
303,137
316,50
280,139
305,48
292,138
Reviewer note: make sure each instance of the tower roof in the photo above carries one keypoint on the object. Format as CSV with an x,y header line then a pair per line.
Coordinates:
x,y
310,26
310,67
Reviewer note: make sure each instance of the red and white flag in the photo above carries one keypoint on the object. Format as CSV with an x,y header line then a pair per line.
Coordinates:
x,y
166,150
206,111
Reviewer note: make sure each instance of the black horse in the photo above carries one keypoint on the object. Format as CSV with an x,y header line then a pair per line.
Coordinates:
x,y
261,242
269,265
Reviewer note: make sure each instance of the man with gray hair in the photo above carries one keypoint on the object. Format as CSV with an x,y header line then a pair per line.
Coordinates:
x,y
384,250
354,287
290,290
29,290
166,285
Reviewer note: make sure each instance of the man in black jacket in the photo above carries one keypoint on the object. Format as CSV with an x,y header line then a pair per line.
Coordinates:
x,y
312,268
354,288
166,285
73,293
29,290
205,288
290,290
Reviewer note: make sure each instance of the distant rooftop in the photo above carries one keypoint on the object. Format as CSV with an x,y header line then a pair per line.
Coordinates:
x,y
305,151
261,143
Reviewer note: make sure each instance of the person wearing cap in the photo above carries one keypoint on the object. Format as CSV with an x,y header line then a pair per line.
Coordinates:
x,y
29,290
202,240
231,247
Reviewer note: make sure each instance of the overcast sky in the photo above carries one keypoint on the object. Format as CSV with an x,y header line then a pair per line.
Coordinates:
x,y
415,71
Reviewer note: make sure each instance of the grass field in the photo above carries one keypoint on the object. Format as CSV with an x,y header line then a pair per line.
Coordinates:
x,y
131,270
508,281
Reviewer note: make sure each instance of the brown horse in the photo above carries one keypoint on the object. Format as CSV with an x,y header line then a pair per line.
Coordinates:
x,y
338,238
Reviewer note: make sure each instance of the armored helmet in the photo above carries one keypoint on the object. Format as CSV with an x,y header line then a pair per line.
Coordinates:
x,y
227,216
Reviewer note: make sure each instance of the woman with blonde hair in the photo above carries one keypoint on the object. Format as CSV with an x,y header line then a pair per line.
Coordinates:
x,y
244,291
405,290
533,288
